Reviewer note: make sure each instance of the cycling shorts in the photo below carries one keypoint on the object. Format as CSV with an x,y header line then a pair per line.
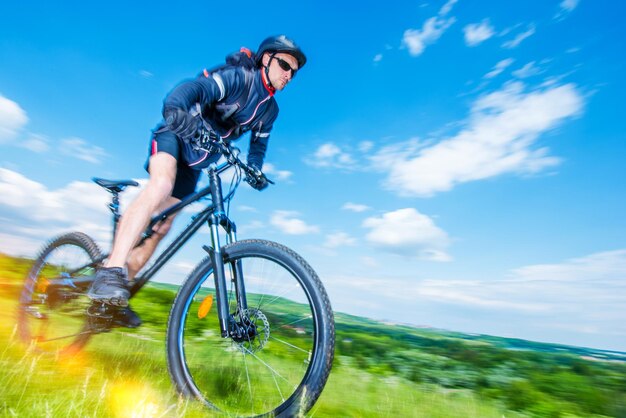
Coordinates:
x,y
186,177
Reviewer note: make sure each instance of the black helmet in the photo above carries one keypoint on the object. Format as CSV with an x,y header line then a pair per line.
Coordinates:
x,y
283,44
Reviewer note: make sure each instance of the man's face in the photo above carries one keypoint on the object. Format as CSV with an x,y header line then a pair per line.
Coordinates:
x,y
281,69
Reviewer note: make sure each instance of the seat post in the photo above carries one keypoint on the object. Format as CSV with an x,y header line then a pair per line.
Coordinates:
x,y
115,187
114,206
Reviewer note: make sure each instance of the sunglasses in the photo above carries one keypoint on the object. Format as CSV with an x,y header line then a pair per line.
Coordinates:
x,y
284,65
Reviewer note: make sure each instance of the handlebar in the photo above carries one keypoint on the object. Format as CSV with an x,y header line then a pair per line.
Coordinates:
x,y
209,140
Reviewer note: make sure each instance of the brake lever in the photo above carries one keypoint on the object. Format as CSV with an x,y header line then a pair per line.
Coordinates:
x,y
208,137
252,174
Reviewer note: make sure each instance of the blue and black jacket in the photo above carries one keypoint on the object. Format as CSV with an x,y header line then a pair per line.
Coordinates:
x,y
233,100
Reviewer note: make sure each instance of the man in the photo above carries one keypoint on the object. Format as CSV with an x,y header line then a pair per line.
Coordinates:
x,y
233,100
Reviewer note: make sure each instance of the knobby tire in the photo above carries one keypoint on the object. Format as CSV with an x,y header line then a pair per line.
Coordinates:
x,y
198,358
63,328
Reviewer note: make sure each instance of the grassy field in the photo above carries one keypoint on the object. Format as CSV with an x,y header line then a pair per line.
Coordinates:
x,y
379,371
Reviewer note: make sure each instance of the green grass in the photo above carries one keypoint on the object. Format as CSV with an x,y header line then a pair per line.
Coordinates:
x,y
379,371
125,374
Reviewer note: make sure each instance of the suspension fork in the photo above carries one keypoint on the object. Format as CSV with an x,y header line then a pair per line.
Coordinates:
x,y
237,275
218,218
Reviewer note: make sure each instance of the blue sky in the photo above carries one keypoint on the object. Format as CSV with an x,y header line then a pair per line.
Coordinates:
x,y
451,164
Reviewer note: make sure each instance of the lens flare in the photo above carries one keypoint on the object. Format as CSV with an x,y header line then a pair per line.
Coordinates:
x,y
132,399
73,363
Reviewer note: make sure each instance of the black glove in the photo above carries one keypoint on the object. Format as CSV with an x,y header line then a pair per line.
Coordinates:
x,y
181,123
257,179
208,141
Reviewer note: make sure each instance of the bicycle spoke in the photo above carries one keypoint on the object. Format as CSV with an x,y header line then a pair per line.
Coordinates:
x,y
279,296
52,307
290,345
270,368
273,338
243,355
280,392
296,321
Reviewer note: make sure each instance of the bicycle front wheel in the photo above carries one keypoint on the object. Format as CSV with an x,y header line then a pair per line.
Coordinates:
x,y
280,365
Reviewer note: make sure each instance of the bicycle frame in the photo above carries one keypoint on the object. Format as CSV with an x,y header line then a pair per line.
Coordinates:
x,y
288,303
214,214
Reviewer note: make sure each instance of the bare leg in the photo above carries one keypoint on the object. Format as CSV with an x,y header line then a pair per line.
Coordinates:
x,y
137,216
139,256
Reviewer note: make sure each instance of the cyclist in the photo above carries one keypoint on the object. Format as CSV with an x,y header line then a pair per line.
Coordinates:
x,y
233,99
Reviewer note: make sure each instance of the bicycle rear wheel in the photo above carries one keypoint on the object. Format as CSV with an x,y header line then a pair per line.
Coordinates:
x,y
52,308
279,366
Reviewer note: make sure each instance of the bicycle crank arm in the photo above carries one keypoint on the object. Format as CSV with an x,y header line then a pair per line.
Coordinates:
x,y
66,336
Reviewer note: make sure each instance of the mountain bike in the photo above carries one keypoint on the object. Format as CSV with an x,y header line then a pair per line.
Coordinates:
x,y
269,349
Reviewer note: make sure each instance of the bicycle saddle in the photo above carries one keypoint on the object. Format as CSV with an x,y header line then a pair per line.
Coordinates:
x,y
114,186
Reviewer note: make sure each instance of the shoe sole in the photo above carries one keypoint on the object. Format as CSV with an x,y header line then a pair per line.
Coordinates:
x,y
115,301
124,325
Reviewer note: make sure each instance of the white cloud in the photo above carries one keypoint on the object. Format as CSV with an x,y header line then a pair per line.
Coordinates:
x,y
339,239
245,208
355,207
476,294
12,119
599,267
578,301
276,174
528,70
327,151
409,233
499,67
499,136
476,33
287,222
445,9
330,155
565,8
378,57
183,267
416,40
81,149
30,213
250,227
146,74
370,262
20,245
554,291
568,5
365,146
35,143
513,43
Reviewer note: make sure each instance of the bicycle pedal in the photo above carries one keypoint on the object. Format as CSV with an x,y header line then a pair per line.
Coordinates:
x,y
100,310
126,318
36,313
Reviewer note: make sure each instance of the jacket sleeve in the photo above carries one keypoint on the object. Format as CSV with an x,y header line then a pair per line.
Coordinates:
x,y
206,89
258,147
259,139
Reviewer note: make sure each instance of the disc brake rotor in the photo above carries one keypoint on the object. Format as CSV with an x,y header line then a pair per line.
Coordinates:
x,y
256,331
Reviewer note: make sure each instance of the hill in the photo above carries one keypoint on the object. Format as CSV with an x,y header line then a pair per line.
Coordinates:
x,y
381,369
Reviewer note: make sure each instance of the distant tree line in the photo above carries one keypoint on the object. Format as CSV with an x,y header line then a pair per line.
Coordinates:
x,y
535,382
